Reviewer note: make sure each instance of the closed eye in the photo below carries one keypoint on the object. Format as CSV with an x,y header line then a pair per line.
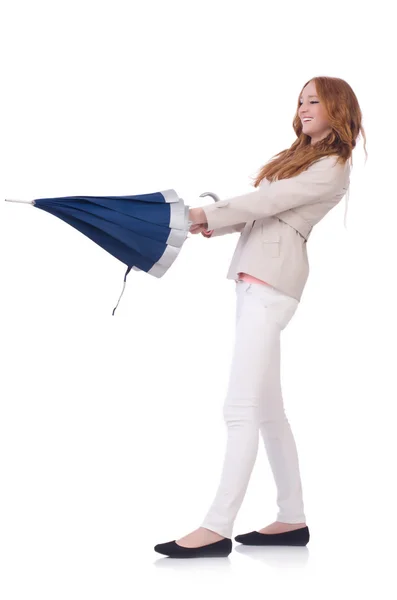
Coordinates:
x,y
311,102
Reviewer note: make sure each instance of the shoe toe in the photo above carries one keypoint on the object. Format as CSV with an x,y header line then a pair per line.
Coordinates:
x,y
166,548
247,537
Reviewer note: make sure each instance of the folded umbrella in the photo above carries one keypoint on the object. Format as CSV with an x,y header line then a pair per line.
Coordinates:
x,y
146,232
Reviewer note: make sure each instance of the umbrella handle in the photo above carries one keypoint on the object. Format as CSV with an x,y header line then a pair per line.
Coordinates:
x,y
214,196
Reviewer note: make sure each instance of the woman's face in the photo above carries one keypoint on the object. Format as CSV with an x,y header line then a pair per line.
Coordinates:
x,y
310,106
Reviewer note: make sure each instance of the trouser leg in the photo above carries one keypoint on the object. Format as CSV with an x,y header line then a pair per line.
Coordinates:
x,y
256,348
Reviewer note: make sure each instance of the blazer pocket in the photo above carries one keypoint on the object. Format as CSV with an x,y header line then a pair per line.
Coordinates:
x,y
271,245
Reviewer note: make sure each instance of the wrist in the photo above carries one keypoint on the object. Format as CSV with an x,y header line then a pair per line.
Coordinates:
x,y
203,218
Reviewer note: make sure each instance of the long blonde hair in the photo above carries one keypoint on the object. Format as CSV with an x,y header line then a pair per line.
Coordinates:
x,y
345,119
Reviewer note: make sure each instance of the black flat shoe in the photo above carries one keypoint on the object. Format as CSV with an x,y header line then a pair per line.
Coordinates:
x,y
297,537
173,550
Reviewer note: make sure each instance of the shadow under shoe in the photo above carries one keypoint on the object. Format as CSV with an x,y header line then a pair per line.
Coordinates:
x,y
173,550
297,537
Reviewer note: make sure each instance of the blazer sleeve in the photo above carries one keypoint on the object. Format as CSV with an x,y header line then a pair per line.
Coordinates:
x,y
320,182
223,230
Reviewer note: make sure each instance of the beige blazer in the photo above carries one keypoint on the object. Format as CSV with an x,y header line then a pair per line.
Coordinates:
x,y
275,222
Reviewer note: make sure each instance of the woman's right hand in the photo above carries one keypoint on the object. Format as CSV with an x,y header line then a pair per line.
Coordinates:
x,y
198,228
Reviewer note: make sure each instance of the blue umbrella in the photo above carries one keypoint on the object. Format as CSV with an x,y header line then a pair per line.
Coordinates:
x,y
146,232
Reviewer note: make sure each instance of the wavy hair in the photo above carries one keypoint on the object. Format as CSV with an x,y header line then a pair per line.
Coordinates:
x,y
345,120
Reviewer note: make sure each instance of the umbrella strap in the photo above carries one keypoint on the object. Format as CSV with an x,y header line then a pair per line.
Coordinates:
x,y
125,280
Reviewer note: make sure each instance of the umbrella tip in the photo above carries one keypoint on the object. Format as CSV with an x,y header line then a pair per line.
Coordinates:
x,y
21,201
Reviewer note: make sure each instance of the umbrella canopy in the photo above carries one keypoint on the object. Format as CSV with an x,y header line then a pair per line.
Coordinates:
x,y
146,232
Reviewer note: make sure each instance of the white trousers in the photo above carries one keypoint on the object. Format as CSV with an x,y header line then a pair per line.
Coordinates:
x,y
254,404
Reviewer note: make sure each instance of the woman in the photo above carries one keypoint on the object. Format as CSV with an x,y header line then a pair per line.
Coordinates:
x,y
295,191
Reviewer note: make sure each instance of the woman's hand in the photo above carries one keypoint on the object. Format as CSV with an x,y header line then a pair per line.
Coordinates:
x,y
198,217
198,228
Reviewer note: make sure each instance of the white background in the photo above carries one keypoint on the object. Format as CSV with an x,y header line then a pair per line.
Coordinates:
x,y
111,429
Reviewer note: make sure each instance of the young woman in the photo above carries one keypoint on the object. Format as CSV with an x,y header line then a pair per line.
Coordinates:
x,y
294,192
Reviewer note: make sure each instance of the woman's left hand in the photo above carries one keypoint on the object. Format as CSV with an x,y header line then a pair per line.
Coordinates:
x,y
197,216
